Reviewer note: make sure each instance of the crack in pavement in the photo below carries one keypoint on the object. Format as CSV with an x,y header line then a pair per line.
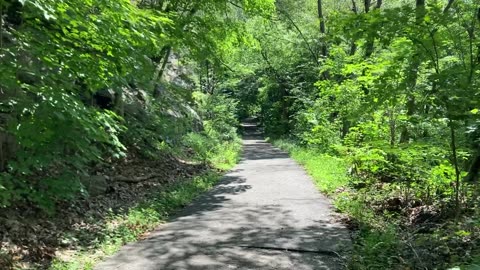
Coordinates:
x,y
322,252
264,214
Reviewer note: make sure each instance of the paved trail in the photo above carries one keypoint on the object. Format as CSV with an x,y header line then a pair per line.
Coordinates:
x,y
264,214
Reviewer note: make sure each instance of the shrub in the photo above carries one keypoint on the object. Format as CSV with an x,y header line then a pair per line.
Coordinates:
x,y
58,139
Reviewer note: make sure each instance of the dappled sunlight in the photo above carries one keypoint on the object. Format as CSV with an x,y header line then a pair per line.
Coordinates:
x,y
264,214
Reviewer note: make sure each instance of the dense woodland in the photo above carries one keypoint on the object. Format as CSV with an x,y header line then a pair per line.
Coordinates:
x,y
378,99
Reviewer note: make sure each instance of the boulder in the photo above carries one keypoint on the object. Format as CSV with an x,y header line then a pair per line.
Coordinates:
x,y
423,214
95,185
105,98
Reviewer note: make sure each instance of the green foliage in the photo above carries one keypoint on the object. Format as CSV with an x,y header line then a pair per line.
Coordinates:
x,y
202,145
60,57
160,125
45,150
218,144
393,96
219,114
377,239
389,93
392,101
375,249
65,52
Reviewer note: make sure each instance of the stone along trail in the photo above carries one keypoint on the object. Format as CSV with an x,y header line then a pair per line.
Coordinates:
x,y
264,214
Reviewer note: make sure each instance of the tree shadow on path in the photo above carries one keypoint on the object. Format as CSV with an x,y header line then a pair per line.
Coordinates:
x,y
234,227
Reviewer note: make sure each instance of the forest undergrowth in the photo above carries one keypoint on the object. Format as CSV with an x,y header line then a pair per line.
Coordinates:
x,y
140,193
391,228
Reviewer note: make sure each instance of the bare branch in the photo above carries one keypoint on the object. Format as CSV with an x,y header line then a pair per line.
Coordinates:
x,y
307,44
449,5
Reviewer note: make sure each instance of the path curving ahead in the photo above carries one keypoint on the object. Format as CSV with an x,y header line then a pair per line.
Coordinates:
x,y
264,214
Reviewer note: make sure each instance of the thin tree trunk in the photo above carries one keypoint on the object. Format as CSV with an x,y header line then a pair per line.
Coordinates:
x,y
370,46
405,134
367,5
3,154
448,6
412,75
474,60
419,11
161,69
353,45
473,170
323,47
457,170
210,78
165,61
472,175
345,127
118,104
393,126
354,7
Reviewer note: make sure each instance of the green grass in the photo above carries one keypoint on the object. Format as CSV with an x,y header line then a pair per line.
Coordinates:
x,y
226,155
328,172
376,240
222,155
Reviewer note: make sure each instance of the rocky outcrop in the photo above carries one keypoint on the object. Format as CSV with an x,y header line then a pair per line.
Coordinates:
x,y
95,185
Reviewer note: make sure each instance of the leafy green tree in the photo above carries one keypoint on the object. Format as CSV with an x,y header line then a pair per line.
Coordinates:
x,y
68,68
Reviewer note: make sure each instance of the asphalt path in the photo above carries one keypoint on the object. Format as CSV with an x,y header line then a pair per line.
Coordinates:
x,y
265,214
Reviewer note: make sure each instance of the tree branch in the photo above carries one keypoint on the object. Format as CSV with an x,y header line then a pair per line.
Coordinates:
x,y
449,5
354,7
314,55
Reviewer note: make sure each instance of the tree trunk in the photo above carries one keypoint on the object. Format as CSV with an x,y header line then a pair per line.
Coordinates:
x,y
472,175
118,104
420,11
393,126
3,158
8,148
353,46
285,110
412,75
448,6
457,170
370,46
345,127
209,87
367,5
323,48
405,134
161,69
